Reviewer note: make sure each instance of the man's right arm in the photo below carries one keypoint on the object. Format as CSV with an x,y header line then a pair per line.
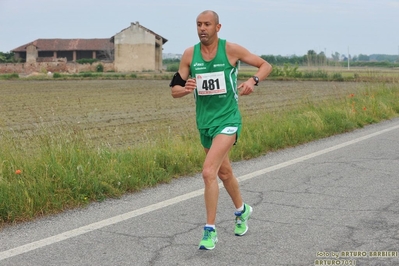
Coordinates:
x,y
184,72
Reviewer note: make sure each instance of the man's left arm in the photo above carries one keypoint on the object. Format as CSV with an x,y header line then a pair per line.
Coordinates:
x,y
264,68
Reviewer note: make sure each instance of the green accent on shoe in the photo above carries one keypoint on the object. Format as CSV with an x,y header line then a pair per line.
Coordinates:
x,y
241,220
209,239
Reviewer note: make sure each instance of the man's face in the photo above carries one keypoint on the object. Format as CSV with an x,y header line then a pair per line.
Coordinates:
x,y
207,28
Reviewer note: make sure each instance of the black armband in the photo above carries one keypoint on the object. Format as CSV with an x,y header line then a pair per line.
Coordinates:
x,y
177,80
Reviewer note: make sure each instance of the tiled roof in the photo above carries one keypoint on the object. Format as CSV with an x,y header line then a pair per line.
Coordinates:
x,y
68,45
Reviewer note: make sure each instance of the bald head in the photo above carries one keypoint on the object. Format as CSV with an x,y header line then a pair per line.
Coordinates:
x,y
214,14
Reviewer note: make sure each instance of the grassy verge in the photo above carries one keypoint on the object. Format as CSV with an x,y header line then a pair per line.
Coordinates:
x,y
67,170
272,131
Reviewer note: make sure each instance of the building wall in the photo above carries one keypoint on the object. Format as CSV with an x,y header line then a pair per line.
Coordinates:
x,y
135,50
44,67
31,54
158,55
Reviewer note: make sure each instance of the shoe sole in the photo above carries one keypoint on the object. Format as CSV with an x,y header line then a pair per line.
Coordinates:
x,y
250,212
205,248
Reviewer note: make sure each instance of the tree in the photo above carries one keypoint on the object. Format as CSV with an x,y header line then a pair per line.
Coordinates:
x,y
7,57
363,57
311,57
335,56
269,58
321,59
106,54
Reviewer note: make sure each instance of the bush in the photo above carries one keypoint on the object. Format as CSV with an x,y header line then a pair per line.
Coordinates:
x,y
276,72
100,68
290,71
10,76
337,77
56,75
319,74
286,71
172,67
86,74
86,61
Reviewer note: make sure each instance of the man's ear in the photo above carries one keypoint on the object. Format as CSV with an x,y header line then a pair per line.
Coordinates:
x,y
218,26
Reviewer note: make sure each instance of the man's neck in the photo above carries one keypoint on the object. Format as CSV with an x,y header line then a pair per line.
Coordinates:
x,y
209,51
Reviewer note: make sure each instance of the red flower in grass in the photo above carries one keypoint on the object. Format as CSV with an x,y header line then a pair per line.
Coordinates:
x,y
18,172
364,108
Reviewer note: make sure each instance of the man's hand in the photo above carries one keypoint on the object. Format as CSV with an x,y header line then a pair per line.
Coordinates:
x,y
190,85
246,88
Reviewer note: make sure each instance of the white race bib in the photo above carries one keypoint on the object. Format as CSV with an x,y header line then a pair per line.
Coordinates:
x,y
211,83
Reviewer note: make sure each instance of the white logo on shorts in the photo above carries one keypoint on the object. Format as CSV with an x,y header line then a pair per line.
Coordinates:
x,y
229,130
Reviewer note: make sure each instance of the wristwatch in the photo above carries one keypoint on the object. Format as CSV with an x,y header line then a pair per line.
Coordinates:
x,y
256,80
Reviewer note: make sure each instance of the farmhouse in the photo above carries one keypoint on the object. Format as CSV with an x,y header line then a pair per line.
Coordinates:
x,y
135,48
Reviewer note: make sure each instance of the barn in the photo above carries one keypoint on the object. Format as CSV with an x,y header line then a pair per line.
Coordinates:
x,y
135,48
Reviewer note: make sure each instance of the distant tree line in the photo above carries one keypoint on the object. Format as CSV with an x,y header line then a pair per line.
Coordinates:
x,y
7,57
317,59
320,59
310,59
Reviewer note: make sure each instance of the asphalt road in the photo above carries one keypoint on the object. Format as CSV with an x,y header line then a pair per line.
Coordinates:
x,y
329,202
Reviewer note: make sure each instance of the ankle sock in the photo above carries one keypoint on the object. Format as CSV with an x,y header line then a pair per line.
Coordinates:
x,y
211,226
241,209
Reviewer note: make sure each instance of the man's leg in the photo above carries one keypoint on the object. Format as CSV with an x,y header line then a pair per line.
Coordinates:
x,y
216,156
230,182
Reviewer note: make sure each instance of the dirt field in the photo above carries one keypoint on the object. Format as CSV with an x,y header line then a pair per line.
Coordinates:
x,y
124,112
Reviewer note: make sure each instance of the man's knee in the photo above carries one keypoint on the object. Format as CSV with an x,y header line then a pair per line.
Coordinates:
x,y
208,174
225,173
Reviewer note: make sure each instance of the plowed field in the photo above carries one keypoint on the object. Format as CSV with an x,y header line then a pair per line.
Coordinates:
x,y
125,112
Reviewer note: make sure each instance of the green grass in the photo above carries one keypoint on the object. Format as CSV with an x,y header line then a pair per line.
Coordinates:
x,y
65,169
9,76
309,122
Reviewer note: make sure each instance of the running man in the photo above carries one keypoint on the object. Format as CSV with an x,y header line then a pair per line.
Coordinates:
x,y
209,70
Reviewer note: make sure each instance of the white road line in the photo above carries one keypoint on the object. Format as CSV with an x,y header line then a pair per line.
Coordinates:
x,y
129,215
314,154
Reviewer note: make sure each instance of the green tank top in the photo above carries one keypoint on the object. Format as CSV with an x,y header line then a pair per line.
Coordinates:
x,y
216,95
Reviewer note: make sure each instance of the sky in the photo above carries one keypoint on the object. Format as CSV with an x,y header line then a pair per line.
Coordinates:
x,y
264,27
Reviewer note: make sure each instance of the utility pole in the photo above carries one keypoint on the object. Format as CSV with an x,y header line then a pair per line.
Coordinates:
x,y
348,59
325,56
